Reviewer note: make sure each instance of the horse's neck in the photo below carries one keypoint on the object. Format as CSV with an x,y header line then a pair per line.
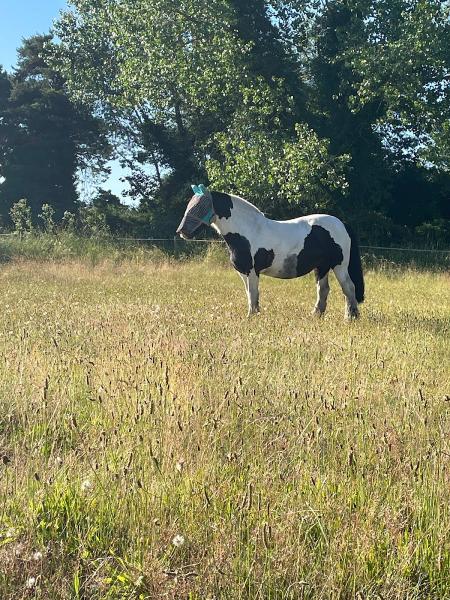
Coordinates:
x,y
244,206
244,216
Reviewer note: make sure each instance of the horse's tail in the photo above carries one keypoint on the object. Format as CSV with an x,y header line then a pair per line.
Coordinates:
x,y
354,267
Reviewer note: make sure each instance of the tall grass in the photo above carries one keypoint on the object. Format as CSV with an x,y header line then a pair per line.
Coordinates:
x,y
156,443
65,246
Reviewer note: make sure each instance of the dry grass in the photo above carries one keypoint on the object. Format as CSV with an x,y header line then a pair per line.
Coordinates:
x,y
298,458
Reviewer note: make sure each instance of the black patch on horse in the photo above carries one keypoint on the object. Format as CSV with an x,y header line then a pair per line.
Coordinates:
x,y
263,259
222,204
240,255
320,252
289,267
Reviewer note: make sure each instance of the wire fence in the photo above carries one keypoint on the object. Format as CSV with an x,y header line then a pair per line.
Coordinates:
x,y
406,249
371,254
177,242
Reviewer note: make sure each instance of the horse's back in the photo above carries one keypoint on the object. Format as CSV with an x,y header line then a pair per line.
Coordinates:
x,y
306,243
324,220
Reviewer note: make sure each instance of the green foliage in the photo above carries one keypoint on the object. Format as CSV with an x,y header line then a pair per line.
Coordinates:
x,y
172,68
298,102
300,172
67,246
404,59
272,161
307,172
44,136
21,217
434,233
68,221
93,221
47,217
165,54
339,106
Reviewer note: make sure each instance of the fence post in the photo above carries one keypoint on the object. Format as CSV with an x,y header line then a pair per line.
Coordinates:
x,y
175,246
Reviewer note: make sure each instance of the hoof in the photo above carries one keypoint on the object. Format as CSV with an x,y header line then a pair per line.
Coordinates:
x,y
317,312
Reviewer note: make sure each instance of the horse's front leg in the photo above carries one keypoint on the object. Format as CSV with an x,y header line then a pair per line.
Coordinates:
x,y
251,283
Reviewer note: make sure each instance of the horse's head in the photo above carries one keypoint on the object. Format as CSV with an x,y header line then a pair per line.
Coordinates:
x,y
199,212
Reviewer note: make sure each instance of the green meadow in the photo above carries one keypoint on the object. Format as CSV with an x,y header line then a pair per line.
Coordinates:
x,y
156,443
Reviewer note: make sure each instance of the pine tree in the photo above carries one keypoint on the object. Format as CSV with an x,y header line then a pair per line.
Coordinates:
x,y
44,136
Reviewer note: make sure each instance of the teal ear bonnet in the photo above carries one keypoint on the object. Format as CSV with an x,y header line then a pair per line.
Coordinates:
x,y
199,189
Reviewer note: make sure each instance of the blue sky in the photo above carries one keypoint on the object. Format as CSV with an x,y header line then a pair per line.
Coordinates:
x,y
22,18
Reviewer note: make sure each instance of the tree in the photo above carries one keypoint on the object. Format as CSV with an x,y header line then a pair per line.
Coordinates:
x,y
405,61
173,68
391,57
5,91
379,73
44,136
338,31
191,73
282,169
289,101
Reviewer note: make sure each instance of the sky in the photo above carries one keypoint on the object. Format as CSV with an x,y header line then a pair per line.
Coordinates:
x,y
23,18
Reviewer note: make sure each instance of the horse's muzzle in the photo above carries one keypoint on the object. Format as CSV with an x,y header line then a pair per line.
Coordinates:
x,y
182,231
188,227
184,235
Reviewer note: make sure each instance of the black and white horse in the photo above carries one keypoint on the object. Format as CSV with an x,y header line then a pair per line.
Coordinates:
x,y
283,249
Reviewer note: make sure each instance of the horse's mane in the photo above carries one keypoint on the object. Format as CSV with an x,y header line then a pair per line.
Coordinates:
x,y
245,204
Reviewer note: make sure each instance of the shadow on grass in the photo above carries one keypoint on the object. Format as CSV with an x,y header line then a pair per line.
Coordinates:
x,y
438,325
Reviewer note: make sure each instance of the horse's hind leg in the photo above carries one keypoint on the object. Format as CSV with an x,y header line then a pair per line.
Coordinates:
x,y
323,290
251,283
351,304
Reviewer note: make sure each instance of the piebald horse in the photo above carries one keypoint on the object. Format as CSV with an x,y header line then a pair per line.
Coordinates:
x,y
284,249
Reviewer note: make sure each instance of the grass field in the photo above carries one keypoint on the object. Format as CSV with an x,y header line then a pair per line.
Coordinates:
x,y
156,443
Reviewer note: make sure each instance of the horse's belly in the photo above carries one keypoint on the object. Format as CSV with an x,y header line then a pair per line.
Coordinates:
x,y
279,274
283,269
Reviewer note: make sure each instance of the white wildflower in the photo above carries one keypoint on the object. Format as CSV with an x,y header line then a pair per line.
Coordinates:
x,y
178,540
86,486
31,582
180,465
37,556
11,532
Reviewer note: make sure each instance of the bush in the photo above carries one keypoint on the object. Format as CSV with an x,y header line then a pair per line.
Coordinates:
x,y
47,217
21,216
435,233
